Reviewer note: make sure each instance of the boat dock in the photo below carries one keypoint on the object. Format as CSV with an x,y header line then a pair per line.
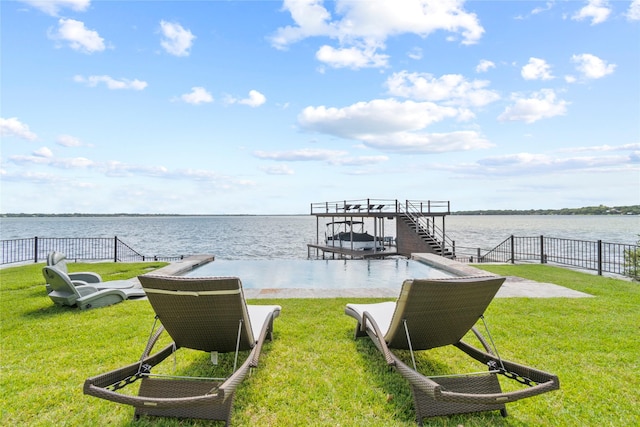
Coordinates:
x,y
398,228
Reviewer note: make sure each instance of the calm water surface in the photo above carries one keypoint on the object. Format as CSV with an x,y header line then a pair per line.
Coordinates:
x,y
325,274
286,237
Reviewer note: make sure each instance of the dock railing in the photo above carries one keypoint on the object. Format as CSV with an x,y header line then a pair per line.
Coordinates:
x,y
35,249
599,256
374,206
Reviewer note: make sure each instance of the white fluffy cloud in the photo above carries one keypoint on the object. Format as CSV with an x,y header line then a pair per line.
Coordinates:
x,y
379,116
198,95
484,65
176,40
362,27
596,10
633,14
14,127
53,7
450,89
351,57
536,69
78,36
111,83
540,105
592,67
255,99
391,125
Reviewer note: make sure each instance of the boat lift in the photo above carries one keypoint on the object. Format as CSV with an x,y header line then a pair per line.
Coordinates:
x,y
417,215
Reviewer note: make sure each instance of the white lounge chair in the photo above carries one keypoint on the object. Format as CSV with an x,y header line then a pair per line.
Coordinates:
x,y
64,291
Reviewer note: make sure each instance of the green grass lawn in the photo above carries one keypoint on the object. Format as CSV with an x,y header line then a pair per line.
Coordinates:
x,y
314,372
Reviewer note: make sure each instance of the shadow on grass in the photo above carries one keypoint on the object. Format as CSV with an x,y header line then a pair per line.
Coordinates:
x,y
46,308
43,307
398,390
36,304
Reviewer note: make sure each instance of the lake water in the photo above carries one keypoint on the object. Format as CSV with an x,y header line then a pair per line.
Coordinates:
x,y
286,237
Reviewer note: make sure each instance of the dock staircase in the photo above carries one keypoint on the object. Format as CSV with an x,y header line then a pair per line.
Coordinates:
x,y
419,233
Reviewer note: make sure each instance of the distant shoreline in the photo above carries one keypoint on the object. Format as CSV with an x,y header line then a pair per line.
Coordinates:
x,y
592,210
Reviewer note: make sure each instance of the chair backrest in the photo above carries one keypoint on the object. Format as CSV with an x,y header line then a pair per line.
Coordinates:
x,y
57,260
201,313
439,312
59,283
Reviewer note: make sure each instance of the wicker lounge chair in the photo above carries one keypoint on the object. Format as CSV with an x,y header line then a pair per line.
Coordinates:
x,y
64,291
207,314
436,313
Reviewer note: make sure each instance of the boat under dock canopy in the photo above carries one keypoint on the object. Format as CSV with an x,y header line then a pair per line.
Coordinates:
x,y
414,223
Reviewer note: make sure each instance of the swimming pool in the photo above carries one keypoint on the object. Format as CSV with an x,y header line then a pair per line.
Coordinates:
x,y
320,274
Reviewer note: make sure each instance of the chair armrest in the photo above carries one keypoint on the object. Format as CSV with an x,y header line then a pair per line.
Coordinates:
x,y
378,338
86,276
77,283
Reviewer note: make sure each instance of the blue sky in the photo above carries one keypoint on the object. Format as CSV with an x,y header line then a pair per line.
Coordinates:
x,y
264,107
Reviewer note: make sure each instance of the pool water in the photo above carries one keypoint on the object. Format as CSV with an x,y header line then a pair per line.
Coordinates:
x,y
320,274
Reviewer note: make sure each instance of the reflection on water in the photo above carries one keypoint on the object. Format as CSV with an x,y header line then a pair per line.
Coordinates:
x,y
333,274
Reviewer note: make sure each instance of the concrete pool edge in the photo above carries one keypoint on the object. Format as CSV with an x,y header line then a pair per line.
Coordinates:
x,y
512,287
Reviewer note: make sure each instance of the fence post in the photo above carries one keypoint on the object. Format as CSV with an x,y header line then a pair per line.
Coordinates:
x,y
35,250
599,257
543,258
115,249
513,250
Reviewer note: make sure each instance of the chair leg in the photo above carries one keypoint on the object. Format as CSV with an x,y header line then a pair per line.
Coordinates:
x,y
359,332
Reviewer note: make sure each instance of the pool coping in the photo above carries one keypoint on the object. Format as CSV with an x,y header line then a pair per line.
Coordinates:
x,y
513,286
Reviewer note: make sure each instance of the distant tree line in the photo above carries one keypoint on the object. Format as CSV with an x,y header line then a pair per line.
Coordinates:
x,y
88,215
74,215
590,210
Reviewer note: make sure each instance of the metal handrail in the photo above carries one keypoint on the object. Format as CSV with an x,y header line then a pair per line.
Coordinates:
x,y
414,211
599,256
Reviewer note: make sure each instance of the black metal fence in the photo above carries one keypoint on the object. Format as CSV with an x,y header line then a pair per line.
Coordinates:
x,y
35,249
616,258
